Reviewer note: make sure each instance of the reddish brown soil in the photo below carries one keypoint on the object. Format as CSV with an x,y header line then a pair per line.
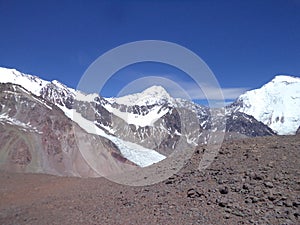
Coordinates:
x,y
252,181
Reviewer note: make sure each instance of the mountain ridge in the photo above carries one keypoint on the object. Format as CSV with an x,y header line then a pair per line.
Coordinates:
x,y
142,133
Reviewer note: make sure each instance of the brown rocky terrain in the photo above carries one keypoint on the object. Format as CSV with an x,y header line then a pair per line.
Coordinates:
x,y
251,181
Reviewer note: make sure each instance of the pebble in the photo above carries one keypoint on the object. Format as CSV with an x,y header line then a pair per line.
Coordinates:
x,y
246,186
296,204
192,193
224,190
288,203
271,197
269,184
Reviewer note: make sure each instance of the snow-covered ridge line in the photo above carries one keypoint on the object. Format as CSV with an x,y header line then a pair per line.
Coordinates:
x,y
29,82
150,96
276,104
35,85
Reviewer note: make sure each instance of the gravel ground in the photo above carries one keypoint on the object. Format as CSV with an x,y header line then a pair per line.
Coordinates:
x,y
251,181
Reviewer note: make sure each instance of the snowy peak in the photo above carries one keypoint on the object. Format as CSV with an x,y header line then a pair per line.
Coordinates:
x,y
54,91
156,91
150,96
29,82
276,104
285,79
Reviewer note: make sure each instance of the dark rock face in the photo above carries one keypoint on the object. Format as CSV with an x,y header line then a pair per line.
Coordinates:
x,y
245,124
57,95
298,131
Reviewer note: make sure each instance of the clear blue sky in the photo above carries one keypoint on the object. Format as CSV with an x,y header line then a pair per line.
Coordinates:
x,y
245,43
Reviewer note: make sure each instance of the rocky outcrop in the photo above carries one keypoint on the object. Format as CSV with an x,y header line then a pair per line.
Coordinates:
x,y
298,131
242,123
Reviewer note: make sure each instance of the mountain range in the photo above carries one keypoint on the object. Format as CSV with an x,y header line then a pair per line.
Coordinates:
x,y
47,127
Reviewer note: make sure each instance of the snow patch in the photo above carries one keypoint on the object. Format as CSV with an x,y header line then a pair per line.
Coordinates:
x,y
27,126
131,151
149,119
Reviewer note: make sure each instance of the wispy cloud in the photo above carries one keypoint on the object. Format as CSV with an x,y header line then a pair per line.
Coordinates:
x,y
184,89
206,91
213,92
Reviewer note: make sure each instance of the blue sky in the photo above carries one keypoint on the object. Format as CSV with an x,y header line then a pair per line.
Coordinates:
x,y
245,43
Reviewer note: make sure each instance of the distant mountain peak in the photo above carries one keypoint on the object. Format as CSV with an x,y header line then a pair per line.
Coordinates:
x,y
156,89
285,78
153,95
276,104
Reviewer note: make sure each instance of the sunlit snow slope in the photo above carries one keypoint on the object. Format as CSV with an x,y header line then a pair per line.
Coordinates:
x,y
276,104
29,82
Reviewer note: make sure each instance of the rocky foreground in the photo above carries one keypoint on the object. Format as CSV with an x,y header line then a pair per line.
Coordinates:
x,y
251,181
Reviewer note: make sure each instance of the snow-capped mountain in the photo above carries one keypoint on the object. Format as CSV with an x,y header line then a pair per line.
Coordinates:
x,y
276,104
66,99
139,129
135,117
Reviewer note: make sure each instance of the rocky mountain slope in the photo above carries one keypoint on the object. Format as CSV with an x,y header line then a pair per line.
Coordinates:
x,y
36,136
252,181
276,104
